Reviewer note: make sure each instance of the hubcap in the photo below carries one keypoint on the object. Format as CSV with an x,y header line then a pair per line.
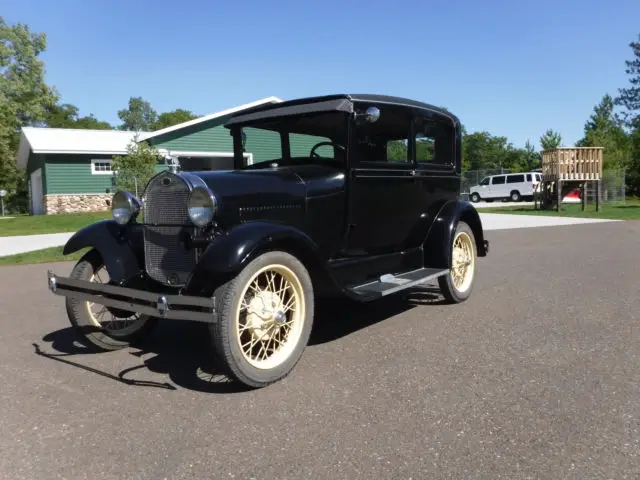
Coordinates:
x,y
270,316
462,265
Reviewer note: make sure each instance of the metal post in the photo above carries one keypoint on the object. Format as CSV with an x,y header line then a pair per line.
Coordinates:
x,y
558,194
584,194
2,201
597,195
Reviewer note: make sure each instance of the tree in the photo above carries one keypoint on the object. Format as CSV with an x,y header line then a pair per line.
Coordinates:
x,y
532,159
24,99
550,139
133,170
629,98
139,116
168,119
66,116
603,129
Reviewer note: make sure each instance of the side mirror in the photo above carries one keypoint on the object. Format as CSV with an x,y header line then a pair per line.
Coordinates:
x,y
371,115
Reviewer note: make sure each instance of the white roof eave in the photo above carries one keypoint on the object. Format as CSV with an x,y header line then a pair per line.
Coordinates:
x,y
209,117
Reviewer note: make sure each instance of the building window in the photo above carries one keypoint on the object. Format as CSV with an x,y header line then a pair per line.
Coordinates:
x,y
101,167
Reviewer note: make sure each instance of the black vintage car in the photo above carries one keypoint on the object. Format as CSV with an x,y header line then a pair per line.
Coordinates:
x,y
369,209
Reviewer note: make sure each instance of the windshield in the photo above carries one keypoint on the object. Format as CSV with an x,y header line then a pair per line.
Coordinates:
x,y
294,140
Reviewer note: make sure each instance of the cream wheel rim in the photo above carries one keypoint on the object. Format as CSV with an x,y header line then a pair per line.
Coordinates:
x,y
270,317
462,264
104,319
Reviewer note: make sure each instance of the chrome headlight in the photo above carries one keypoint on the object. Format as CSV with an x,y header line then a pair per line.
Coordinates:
x,y
124,207
202,206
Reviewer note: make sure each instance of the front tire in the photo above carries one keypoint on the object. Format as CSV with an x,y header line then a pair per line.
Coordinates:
x,y
264,320
104,327
475,198
457,284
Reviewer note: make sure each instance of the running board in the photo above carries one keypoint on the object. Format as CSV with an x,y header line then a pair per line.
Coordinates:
x,y
388,284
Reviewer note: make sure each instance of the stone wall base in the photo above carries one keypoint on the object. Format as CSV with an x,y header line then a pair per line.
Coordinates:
x,y
73,203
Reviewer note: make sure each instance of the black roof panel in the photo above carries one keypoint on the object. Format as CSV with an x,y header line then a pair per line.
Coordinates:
x,y
361,97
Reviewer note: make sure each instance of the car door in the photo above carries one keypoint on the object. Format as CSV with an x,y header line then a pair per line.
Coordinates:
x,y
436,170
498,187
384,196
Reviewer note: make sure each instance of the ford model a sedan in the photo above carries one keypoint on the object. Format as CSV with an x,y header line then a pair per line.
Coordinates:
x,y
347,195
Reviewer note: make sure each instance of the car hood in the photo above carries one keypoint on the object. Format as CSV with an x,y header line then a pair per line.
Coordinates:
x,y
256,194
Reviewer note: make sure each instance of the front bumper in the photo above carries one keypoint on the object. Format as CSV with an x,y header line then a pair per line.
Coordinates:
x,y
174,307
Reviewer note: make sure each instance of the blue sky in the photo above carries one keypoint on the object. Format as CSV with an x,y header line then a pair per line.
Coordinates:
x,y
513,68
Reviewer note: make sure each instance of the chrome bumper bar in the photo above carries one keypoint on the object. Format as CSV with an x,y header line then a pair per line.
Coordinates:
x,y
174,307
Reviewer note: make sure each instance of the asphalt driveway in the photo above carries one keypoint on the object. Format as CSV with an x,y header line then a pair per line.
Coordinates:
x,y
536,376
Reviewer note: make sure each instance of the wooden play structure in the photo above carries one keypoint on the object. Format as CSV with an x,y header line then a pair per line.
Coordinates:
x,y
569,168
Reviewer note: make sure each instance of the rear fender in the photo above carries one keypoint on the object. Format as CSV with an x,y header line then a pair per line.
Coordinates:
x,y
121,248
230,253
437,246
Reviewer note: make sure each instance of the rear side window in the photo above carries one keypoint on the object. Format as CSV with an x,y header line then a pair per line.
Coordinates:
x,y
497,181
515,179
528,177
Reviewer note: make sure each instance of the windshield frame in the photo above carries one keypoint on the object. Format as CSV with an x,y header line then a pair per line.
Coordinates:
x,y
334,127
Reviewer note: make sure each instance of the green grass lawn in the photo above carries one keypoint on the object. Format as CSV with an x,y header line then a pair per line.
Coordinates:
x,y
630,210
46,255
38,224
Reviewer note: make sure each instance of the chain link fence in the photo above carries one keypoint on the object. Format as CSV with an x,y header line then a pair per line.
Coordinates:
x,y
612,184
471,178
612,188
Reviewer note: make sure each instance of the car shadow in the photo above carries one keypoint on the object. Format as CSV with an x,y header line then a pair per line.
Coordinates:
x,y
182,350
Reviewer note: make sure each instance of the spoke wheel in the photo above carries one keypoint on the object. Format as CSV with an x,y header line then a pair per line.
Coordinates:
x,y
117,323
462,264
264,319
104,327
456,286
270,317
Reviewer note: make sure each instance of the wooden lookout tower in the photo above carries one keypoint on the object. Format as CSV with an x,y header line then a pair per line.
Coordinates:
x,y
569,168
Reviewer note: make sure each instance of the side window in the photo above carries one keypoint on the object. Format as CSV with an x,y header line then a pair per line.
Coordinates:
x,y
485,181
498,180
528,177
435,142
265,145
515,179
386,141
300,145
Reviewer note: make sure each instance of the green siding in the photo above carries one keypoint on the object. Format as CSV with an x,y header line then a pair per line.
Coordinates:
x,y
72,174
198,138
301,145
214,137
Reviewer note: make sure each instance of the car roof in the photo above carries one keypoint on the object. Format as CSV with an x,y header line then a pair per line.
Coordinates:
x,y
335,102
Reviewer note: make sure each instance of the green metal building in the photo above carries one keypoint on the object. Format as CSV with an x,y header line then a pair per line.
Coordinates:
x,y
69,170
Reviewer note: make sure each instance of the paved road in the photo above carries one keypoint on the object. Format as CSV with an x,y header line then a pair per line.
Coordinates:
x,y
536,376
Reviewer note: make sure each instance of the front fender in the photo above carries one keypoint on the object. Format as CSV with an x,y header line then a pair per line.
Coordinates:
x,y
121,248
437,246
229,253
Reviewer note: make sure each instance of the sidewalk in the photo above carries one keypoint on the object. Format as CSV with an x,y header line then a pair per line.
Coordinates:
x,y
27,243
490,221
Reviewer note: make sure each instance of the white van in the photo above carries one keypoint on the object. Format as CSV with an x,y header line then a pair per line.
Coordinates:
x,y
513,186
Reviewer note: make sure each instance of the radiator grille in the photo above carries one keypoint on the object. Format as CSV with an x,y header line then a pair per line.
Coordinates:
x,y
166,220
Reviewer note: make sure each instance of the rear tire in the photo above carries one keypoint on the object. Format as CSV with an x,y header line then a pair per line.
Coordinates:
x,y
515,196
457,284
87,323
267,307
